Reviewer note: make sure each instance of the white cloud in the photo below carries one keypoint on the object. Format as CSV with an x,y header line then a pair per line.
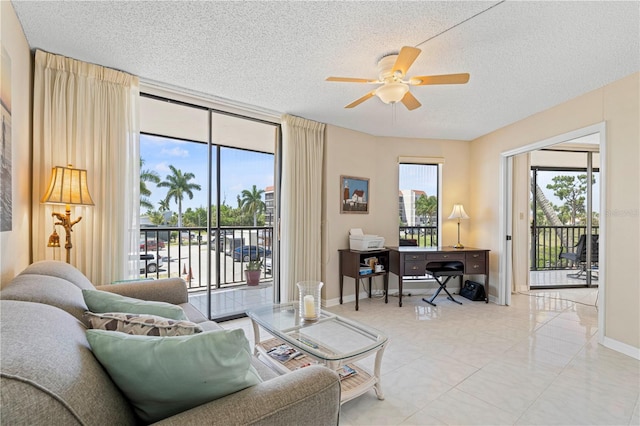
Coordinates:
x,y
175,152
162,167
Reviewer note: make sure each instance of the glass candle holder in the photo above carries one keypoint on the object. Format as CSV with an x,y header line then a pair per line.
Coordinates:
x,y
309,299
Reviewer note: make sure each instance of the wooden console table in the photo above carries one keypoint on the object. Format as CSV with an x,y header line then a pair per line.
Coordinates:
x,y
350,261
408,260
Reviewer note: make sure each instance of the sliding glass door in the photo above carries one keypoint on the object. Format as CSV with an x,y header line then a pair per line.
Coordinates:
x,y
564,219
208,202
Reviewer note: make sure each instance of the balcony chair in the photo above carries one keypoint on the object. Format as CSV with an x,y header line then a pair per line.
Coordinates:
x,y
446,270
578,257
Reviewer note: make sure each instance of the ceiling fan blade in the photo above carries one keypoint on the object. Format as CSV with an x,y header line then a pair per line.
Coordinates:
x,y
439,79
405,59
351,80
362,99
410,101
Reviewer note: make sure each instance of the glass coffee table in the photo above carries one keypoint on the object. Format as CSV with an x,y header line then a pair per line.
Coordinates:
x,y
333,341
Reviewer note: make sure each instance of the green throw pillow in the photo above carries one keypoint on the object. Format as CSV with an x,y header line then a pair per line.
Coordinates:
x,y
103,301
163,376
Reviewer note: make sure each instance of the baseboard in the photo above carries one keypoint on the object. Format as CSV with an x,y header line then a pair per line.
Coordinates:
x,y
623,348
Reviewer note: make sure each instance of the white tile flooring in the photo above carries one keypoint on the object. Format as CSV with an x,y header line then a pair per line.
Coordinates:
x,y
536,362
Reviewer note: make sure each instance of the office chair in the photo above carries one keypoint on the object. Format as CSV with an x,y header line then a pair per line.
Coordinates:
x,y
446,270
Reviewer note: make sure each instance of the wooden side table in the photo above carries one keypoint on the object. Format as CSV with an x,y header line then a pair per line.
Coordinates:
x,y
350,261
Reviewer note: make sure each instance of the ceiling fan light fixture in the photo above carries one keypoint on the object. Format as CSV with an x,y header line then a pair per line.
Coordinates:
x,y
392,92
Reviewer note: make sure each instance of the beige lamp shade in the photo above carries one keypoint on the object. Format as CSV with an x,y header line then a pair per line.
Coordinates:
x,y
68,186
458,212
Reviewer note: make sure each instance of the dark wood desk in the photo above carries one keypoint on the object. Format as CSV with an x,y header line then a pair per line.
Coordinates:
x,y
407,260
350,261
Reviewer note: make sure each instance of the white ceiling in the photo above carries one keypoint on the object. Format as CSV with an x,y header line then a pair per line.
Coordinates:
x,y
523,57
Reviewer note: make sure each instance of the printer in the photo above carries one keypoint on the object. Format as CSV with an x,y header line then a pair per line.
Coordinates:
x,y
364,242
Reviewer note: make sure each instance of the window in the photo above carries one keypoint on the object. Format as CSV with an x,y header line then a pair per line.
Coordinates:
x,y
207,193
418,204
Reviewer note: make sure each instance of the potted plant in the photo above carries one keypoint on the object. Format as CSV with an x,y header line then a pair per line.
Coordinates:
x,y
252,271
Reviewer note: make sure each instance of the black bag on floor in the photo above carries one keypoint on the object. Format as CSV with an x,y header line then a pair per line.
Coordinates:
x,y
472,290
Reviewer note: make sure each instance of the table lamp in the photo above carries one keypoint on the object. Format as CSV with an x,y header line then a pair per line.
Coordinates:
x,y
458,213
67,186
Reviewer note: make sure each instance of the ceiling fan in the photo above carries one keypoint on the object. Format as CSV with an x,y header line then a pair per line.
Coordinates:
x,y
392,71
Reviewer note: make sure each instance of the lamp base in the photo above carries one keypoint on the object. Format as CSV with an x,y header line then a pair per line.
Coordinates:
x,y
458,246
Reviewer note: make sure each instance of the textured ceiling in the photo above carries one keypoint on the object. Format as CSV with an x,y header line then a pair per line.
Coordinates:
x,y
523,57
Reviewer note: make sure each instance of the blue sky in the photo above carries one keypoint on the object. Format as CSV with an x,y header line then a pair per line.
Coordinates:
x,y
419,177
239,169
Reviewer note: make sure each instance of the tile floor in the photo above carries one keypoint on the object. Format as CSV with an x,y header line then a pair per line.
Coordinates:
x,y
536,362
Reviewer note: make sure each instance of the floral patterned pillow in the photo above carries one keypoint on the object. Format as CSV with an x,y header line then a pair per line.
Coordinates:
x,y
139,324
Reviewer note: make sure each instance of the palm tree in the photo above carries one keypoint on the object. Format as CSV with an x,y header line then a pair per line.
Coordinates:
x,y
426,207
252,203
146,176
163,205
178,184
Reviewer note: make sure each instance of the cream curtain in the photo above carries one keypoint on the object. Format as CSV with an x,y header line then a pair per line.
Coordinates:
x,y
301,203
520,227
87,115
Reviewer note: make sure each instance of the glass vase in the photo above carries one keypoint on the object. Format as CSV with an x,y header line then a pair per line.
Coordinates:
x,y
309,299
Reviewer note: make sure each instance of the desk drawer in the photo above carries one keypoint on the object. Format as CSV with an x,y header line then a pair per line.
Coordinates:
x,y
476,263
415,267
446,257
476,255
412,257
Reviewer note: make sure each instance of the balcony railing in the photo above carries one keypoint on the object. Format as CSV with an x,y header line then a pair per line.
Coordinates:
x,y
185,252
425,236
547,241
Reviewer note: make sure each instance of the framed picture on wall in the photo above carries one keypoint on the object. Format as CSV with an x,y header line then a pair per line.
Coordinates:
x,y
354,195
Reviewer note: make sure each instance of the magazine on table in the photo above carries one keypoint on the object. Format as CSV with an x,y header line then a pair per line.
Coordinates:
x,y
346,371
283,353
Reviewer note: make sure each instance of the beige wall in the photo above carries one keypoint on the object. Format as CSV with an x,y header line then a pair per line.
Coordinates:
x,y
14,244
618,105
357,154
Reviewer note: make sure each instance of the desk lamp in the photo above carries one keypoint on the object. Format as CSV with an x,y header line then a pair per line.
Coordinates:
x,y
67,186
458,213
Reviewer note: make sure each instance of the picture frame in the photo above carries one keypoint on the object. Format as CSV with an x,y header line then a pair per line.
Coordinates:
x,y
354,195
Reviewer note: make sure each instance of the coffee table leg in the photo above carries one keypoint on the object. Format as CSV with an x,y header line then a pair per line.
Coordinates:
x,y
256,336
376,372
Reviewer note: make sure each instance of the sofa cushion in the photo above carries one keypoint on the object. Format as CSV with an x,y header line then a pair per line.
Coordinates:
x,y
103,302
170,290
56,268
163,376
49,290
144,325
48,373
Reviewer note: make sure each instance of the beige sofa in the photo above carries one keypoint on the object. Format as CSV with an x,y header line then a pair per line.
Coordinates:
x,y
50,376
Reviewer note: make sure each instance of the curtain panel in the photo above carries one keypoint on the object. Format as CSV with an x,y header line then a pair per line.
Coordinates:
x,y
301,203
87,116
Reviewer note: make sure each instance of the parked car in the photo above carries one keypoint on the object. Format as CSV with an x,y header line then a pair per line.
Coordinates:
x,y
214,246
267,264
247,253
151,245
150,262
231,243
